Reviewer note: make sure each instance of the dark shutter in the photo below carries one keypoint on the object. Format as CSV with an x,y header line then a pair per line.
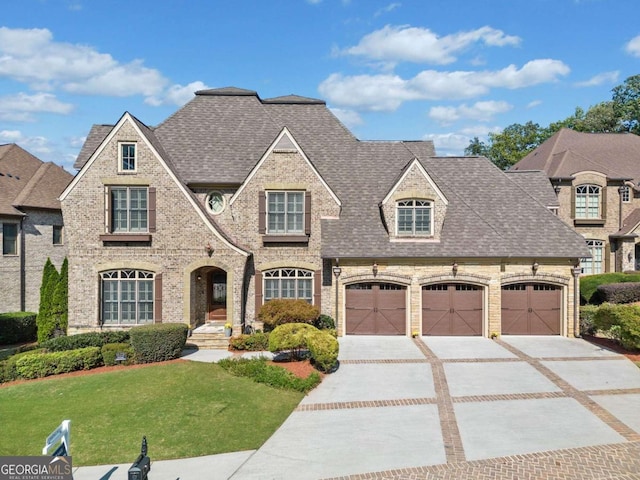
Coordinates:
x,y
307,213
157,306
258,289
262,213
152,209
317,288
108,205
603,202
99,322
573,202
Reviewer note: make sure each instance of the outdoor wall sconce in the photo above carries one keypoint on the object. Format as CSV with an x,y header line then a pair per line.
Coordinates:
x,y
374,268
199,277
534,267
454,268
208,248
337,271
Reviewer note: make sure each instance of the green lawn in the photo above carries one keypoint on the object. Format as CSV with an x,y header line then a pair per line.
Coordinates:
x,y
185,409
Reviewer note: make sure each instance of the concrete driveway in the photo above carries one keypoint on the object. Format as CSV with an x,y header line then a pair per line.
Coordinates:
x,y
449,408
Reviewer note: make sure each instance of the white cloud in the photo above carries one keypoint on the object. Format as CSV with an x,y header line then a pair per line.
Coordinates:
x,y
448,144
350,118
420,45
177,94
389,8
21,106
481,111
33,57
600,79
385,92
10,136
633,47
534,103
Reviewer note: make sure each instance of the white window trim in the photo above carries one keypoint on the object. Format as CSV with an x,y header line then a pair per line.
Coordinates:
x,y
589,263
587,196
413,234
224,202
112,210
308,275
626,194
105,277
121,168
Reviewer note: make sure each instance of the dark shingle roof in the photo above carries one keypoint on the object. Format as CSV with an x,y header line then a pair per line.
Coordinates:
x,y
537,184
96,136
27,182
617,155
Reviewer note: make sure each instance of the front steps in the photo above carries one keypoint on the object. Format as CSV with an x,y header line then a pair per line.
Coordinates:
x,y
209,336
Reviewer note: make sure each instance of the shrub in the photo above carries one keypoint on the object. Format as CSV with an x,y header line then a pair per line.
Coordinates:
x,y
254,342
260,371
157,343
90,339
617,293
8,371
589,283
323,348
110,350
622,322
44,364
281,311
46,320
587,319
324,322
17,327
291,337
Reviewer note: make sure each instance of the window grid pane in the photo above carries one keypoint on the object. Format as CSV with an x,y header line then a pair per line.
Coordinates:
x,y
129,209
128,156
285,212
289,283
127,297
414,217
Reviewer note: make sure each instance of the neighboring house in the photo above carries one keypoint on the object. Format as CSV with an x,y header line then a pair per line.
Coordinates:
x,y
235,200
596,177
31,227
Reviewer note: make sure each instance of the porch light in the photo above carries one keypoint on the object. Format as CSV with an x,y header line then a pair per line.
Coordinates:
x,y
374,268
208,248
454,268
534,267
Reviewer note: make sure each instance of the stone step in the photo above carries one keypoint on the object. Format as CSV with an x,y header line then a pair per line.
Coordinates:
x,y
216,341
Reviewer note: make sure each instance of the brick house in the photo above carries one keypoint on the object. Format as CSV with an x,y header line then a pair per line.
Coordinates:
x,y
234,200
31,227
596,177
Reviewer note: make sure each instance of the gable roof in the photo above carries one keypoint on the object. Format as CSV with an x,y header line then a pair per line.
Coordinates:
x,y
27,182
537,184
616,155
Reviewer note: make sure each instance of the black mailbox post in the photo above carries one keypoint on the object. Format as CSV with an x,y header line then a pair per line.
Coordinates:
x,y
140,468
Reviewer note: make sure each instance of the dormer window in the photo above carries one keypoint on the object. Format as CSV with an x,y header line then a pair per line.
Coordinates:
x,y
414,218
128,159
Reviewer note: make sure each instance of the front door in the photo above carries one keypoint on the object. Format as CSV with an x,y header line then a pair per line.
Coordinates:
x,y
217,296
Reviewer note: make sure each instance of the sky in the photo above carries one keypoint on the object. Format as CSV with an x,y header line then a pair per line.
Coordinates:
x,y
441,70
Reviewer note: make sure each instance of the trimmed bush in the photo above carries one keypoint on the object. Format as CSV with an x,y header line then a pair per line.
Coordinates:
x,y
158,342
255,342
44,364
291,337
17,327
627,292
325,322
8,371
589,283
260,371
111,350
46,320
89,339
281,311
324,349
621,322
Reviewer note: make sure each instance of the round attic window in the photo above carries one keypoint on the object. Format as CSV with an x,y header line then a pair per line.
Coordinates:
x,y
215,202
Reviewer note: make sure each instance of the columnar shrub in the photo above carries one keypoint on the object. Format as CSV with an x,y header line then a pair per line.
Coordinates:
x,y
53,363
46,320
157,343
17,327
89,339
280,311
59,307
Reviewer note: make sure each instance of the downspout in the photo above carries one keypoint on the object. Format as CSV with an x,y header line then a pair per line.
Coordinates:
x,y
23,273
576,271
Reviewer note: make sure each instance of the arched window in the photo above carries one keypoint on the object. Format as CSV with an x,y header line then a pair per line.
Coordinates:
x,y
414,217
288,283
127,297
588,201
594,264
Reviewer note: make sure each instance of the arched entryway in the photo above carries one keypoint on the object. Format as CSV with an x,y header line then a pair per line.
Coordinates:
x,y
210,295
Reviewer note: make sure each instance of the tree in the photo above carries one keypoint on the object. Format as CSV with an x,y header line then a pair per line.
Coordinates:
x,y
601,118
513,143
45,319
626,104
476,148
60,301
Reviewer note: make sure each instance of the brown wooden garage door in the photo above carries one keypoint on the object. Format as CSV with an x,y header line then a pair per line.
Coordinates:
x,y
531,309
376,309
451,309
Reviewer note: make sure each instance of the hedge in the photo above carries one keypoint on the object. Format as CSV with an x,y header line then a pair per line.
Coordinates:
x,y
53,363
82,340
111,350
8,370
17,327
589,283
158,342
621,322
256,342
280,311
627,292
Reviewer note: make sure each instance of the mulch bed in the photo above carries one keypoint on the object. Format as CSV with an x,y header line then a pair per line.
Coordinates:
x,y
614,346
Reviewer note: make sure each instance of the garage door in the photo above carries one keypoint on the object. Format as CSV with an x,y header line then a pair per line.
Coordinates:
x,y
376,309
451,309
531,309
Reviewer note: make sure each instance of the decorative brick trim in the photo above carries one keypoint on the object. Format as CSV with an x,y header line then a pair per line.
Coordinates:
x,y
365,404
